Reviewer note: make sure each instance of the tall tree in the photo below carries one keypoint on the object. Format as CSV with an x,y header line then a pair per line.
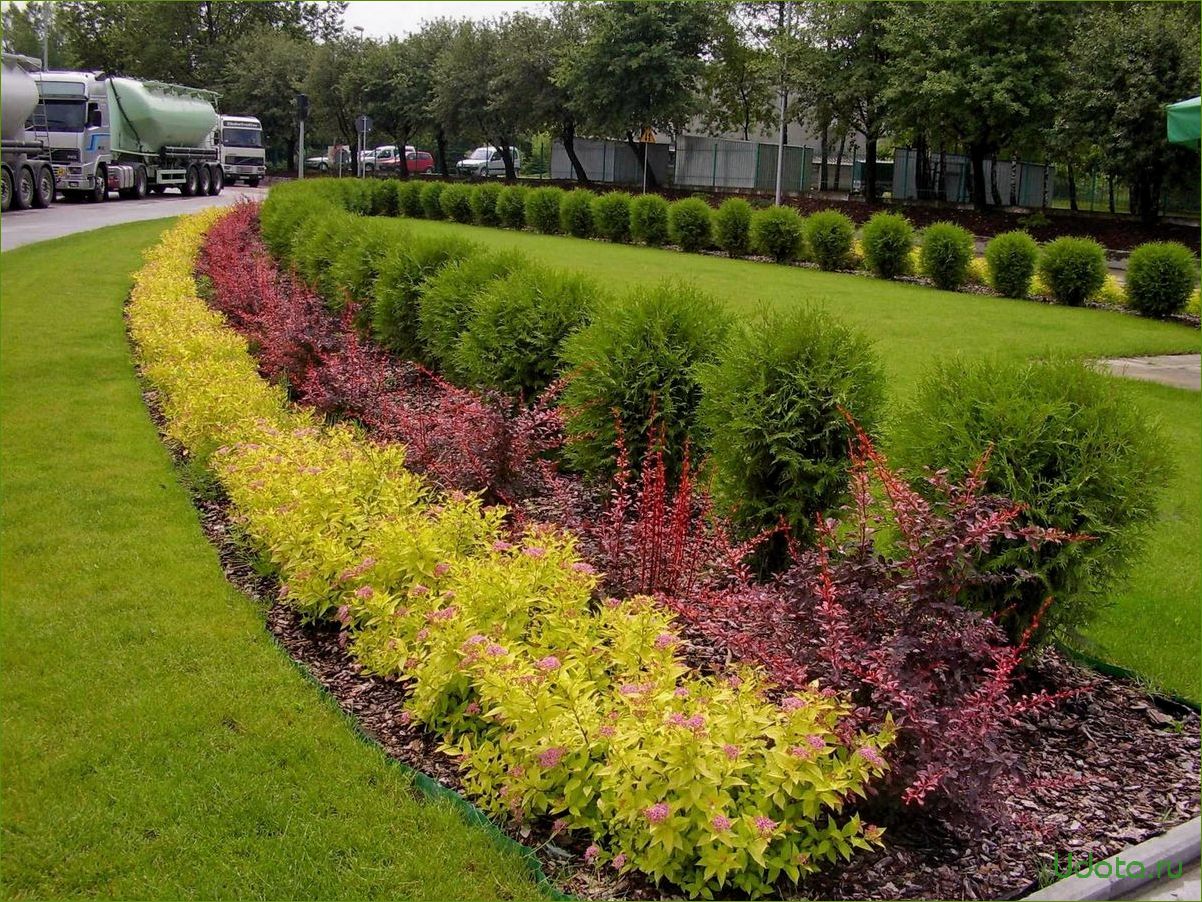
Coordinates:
x,y
335,85
23,27
263,74
989,72
639,66
1126,62
739,86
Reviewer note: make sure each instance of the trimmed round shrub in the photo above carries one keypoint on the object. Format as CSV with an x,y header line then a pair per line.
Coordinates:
x,y
446,302
456,202
576,213
1011,257
732,226
383,198
320,240
484,204
691,224
409,198
542,209
1160,278
649,219
773,405
887,239
776,232
403,274
511,206
1073,269
636,365
946,254
354,269
431,199
518,323
1067,442
355,195
829,236
611,216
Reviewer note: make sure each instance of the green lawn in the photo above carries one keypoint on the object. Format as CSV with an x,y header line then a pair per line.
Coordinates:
x,y
1154,625
157,743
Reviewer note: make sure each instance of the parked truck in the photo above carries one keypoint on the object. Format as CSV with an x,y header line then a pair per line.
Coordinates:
x,y
108,133
242,154
24,152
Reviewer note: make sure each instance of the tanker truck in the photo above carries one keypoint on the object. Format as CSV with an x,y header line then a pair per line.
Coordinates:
x,y
108,133
24,153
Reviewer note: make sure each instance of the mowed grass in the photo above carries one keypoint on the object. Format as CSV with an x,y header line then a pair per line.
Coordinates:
x,y
156,742
1154,623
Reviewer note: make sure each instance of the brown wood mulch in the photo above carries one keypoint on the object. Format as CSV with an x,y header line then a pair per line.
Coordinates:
x,y
1109,768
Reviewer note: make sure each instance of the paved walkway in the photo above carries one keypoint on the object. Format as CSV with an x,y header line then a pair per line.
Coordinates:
x,y
1187,886
1176,370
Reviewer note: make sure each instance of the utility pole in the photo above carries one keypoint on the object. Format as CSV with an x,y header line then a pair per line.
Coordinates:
x,y
782,22
302,113
47,16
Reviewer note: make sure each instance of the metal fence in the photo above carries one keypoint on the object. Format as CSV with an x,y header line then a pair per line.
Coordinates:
x,y
610,161
1019,184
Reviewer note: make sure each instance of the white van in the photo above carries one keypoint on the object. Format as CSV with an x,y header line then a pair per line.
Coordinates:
x,y
487,161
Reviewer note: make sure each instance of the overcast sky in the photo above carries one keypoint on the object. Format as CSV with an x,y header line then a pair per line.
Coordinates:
x,y
380,18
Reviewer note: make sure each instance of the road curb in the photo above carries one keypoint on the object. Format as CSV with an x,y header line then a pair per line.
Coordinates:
x,y
1179,848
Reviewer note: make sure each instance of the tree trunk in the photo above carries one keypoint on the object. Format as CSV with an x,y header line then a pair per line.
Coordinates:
x,y
640,154
567,137
997,195
839,162
977,153
922,167
824,146
942,186
870,192
440,140
403,166
1072,187
1110,187
507,158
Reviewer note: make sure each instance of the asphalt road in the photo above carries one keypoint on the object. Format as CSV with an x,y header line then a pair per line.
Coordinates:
x,y
18,227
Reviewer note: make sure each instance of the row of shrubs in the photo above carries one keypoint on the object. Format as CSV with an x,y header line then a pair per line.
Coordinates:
x,y
763,400
557,706
1161,276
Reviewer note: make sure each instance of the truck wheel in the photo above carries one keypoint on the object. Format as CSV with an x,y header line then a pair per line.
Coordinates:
x,y
159,189
254,183
206,180
99,192
141,183
191,184
216,181
26,190
6,198
43,195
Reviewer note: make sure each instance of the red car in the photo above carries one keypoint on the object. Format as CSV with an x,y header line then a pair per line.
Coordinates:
x,y
417,161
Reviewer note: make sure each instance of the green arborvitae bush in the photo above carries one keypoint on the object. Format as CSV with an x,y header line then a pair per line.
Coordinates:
x,y
456,202
517,326
888,239
383,198
732,226
773,405
1067,442
403,273
1160,278
637,363
776,232
511,206
829,236
1010,258
946,253
542,209
431,198
576,213
447,299
409,198
354,270
691,224
356,195
1073,269
319,241
649,219
611,216
484,204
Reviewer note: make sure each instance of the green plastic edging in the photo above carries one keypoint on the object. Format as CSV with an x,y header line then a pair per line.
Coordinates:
x,y
1114,670
434,790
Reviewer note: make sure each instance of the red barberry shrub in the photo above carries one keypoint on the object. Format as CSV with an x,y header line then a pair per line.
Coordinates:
x,y
873,610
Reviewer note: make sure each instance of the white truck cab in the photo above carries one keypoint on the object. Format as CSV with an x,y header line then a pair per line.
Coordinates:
x,y
242,155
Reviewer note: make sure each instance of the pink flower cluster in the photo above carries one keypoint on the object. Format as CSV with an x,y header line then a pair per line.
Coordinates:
x,y
657,813
552,756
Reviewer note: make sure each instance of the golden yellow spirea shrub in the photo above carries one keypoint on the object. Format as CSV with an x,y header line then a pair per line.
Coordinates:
x,y
557,706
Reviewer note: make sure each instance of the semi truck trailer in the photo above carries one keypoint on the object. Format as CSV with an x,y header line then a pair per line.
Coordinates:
x,y
108,133
24,151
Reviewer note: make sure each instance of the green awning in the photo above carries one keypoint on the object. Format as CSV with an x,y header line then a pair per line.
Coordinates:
x,y
1185,122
